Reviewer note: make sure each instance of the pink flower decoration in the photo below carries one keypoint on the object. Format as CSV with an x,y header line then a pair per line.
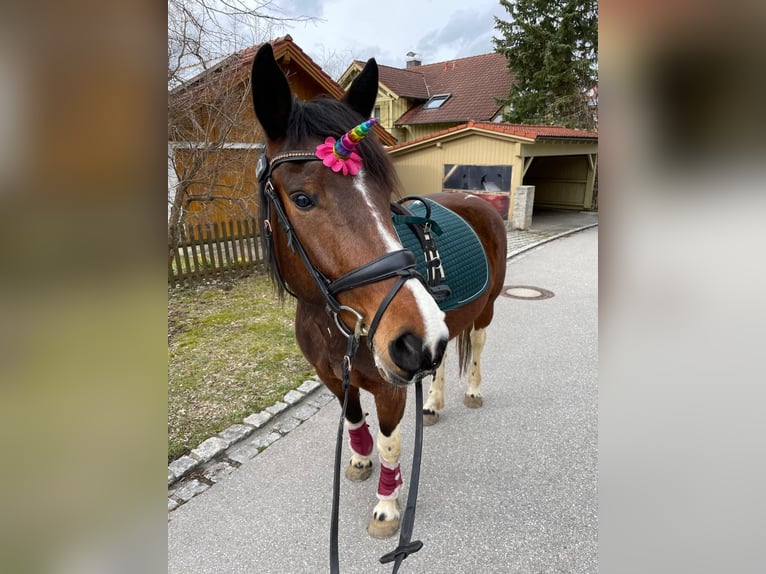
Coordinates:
x,y
339,155
350,165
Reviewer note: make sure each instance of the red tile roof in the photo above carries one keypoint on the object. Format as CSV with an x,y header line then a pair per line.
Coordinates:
x,y
403,82
530,132
473,82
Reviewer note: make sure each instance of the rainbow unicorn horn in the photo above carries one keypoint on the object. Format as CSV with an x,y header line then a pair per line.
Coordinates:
x,y
340,155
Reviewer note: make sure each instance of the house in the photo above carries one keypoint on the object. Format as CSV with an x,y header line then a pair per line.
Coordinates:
x,y
421,99
214,139
447,122
492,160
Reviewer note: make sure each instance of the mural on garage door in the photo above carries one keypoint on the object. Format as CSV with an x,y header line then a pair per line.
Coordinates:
x,y
492,183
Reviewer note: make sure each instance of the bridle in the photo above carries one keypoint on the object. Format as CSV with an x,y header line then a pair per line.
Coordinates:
x,y
399,264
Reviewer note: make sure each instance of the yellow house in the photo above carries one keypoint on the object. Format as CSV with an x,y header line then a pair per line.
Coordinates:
x,y
446,120
492,160
421,99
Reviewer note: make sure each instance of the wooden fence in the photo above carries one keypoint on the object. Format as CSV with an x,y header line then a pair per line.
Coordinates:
x,y
214,251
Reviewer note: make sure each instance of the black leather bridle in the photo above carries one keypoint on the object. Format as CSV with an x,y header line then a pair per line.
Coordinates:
x,y
399,264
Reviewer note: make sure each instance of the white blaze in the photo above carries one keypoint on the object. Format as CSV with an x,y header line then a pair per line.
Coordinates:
x,y
433,317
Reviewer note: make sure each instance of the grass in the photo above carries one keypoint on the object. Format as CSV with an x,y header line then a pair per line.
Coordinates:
x,y
231,352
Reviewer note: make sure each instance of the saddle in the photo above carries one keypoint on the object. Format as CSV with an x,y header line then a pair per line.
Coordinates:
x,y
448,253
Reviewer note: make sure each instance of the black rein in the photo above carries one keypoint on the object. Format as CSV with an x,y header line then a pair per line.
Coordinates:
x,y
400,264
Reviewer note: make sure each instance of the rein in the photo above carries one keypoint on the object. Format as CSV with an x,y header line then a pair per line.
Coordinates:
x,y
400,264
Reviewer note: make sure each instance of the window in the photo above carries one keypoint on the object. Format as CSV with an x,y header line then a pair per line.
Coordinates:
x,y
376,114
436,101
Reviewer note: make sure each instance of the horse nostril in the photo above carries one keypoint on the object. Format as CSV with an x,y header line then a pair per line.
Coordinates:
x,y
408,353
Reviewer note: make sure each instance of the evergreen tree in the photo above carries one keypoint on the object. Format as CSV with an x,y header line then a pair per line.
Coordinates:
x,y
552,50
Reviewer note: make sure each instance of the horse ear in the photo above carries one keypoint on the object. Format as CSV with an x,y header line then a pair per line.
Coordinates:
x,y
272,98
364,90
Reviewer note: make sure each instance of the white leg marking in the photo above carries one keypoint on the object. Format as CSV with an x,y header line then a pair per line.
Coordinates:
x,y
435,400
359,461
478,340
390,447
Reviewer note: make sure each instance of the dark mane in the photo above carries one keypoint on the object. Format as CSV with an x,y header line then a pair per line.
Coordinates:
x,y
321,118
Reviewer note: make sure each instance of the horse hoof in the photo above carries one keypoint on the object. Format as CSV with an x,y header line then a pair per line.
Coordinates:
x,y
430,417
472,402
383,528
358,474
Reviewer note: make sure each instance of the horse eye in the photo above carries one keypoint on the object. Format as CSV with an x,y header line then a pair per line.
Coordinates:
x,y
302,201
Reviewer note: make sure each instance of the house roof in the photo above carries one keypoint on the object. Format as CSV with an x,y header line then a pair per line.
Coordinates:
x,y
236,68
530,133
473,82
404,82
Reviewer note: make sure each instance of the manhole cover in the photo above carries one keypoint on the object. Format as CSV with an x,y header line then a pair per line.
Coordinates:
x,y
526,292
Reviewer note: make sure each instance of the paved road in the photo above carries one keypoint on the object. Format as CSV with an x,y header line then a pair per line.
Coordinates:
x,y
509,488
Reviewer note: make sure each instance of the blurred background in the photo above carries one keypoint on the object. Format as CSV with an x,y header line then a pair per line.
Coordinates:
x,y
682,317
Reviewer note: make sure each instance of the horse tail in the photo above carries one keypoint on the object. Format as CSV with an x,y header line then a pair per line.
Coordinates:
x,y
464,350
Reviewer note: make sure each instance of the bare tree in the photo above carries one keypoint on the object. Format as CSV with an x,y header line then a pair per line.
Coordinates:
x,y
209,101
334,63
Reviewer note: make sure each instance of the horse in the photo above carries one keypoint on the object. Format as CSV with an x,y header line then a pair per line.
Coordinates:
x,y
331,243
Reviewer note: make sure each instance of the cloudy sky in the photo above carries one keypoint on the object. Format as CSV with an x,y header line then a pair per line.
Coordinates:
x,y
436,30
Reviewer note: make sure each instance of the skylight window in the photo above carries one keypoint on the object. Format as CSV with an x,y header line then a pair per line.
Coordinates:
x,y
436,101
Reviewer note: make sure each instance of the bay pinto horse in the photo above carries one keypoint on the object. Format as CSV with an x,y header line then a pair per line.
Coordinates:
x,y
342,223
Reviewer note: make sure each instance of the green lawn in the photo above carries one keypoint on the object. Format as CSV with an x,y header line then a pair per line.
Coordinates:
x,y
231,352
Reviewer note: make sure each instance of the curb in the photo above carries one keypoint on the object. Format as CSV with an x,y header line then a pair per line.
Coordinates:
x,y
218,456
530,246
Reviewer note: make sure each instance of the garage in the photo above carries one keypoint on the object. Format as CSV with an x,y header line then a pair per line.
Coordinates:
x,y
493,160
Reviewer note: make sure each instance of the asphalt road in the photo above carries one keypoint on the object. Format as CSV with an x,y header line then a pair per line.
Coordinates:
x,y
508,488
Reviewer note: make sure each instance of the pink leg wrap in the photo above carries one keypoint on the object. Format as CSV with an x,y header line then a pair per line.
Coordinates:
x,y
360,439
390,480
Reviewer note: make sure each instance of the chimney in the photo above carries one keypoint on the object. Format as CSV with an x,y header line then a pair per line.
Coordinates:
x,y
412,61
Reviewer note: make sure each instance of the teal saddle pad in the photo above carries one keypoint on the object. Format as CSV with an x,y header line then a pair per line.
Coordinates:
x,y
462,255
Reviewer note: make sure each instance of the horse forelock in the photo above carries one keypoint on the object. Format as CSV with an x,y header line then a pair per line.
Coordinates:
x,y
325,117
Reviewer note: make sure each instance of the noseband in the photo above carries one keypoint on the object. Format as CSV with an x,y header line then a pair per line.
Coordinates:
x,y
400,264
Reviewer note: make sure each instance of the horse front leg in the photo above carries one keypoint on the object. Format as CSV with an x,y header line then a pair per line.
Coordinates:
x,y
359,439
385,516
435,400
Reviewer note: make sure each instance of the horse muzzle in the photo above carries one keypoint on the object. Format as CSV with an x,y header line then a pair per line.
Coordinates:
x,y
412,358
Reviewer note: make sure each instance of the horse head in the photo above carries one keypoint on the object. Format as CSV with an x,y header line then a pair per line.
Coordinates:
x,y
338,214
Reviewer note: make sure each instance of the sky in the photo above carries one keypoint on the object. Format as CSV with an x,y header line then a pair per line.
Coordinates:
x,y
437,30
